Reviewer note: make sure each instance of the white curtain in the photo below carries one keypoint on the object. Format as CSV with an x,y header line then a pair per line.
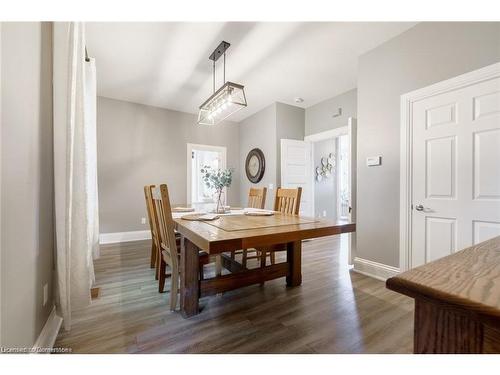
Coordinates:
x,y
91,137
75,168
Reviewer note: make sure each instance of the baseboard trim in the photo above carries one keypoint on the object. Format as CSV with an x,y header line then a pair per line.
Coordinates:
x,y
107,238
376,270
50,330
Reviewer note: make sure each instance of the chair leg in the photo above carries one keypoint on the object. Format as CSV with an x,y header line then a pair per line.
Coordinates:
x,y
244,258
153,255
233,255
174,289
218,265
202,275
263,257
162,269
159,259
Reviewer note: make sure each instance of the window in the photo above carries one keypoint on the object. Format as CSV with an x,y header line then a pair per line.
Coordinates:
x,y
200,156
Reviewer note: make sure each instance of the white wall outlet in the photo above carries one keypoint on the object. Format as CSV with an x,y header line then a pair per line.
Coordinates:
x,y
324,213
271,186
372,161
45,294
143,220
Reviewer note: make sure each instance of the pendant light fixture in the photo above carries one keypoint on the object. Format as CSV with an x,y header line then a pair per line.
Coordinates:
x,y
228,99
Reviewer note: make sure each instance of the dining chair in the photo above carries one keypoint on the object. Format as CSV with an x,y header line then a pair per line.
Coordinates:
x,y
168,244
256,199
286,201
149,209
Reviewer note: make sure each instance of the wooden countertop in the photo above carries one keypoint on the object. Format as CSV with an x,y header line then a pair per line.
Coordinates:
x,y
468,279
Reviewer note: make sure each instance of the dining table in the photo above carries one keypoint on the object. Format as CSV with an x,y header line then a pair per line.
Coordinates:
x,y
234,230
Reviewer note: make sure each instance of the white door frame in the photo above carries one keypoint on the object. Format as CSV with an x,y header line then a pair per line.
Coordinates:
x,y
317,137
322,136
189,150
406,152
334,133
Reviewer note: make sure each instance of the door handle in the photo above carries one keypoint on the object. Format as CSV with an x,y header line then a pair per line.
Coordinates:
x,y
419,207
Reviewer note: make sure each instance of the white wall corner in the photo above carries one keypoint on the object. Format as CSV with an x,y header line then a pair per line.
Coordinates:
x,y
117,237
50,330
376,270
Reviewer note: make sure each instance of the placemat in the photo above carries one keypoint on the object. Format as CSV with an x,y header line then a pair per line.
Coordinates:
x,y
243,222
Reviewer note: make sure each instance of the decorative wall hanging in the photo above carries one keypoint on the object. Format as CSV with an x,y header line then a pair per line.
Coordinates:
x,y
325,170
255,165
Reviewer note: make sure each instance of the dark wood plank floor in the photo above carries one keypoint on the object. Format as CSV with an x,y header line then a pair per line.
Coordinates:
x,y
334,311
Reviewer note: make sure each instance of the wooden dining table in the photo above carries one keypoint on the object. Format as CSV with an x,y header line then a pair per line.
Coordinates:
x,y
234,231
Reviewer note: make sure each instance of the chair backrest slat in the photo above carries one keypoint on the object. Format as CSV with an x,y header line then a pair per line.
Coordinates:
x,y
153,222
257,197
166,225
287,201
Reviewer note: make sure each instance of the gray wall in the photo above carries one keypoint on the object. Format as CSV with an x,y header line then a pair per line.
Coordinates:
x,y
318,118
426,54
289,125
138,145
325,191
27,226
264,130
259,130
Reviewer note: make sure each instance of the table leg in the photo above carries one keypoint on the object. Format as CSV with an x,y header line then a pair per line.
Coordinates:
x,y
293,258
189,279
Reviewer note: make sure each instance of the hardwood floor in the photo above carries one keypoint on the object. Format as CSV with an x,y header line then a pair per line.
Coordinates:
x,y
333,311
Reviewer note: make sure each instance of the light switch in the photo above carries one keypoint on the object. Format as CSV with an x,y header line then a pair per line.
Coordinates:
x,y
271,186
372,161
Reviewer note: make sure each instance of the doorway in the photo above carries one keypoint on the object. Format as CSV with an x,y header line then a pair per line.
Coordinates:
x,y
450,183
199,156
334,177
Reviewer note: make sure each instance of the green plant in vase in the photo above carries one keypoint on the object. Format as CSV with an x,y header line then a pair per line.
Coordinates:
x,y
217,179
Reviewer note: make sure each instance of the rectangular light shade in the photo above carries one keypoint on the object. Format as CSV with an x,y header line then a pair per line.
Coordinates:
x,y
227,100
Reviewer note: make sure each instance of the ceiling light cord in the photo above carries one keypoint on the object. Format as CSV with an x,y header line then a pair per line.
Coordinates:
x,y
224,76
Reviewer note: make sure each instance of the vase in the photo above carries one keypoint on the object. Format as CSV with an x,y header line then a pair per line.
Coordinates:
x,y
220,202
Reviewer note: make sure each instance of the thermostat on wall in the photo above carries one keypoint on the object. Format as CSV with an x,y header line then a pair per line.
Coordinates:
x,y
372,161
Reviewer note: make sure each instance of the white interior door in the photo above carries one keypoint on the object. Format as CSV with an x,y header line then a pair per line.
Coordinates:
x,y
456,170
296,171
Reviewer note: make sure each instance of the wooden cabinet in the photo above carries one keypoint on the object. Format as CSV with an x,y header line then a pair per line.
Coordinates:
x,y
457,301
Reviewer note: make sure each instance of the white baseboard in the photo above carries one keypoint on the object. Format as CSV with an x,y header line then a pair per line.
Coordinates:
x,y
106,238
373,269
48,336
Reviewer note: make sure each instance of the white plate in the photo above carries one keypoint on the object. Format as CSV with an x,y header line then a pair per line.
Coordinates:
x,y
259,213
182,209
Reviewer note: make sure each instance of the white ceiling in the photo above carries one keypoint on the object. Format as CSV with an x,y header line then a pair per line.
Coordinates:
x,y
166,64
